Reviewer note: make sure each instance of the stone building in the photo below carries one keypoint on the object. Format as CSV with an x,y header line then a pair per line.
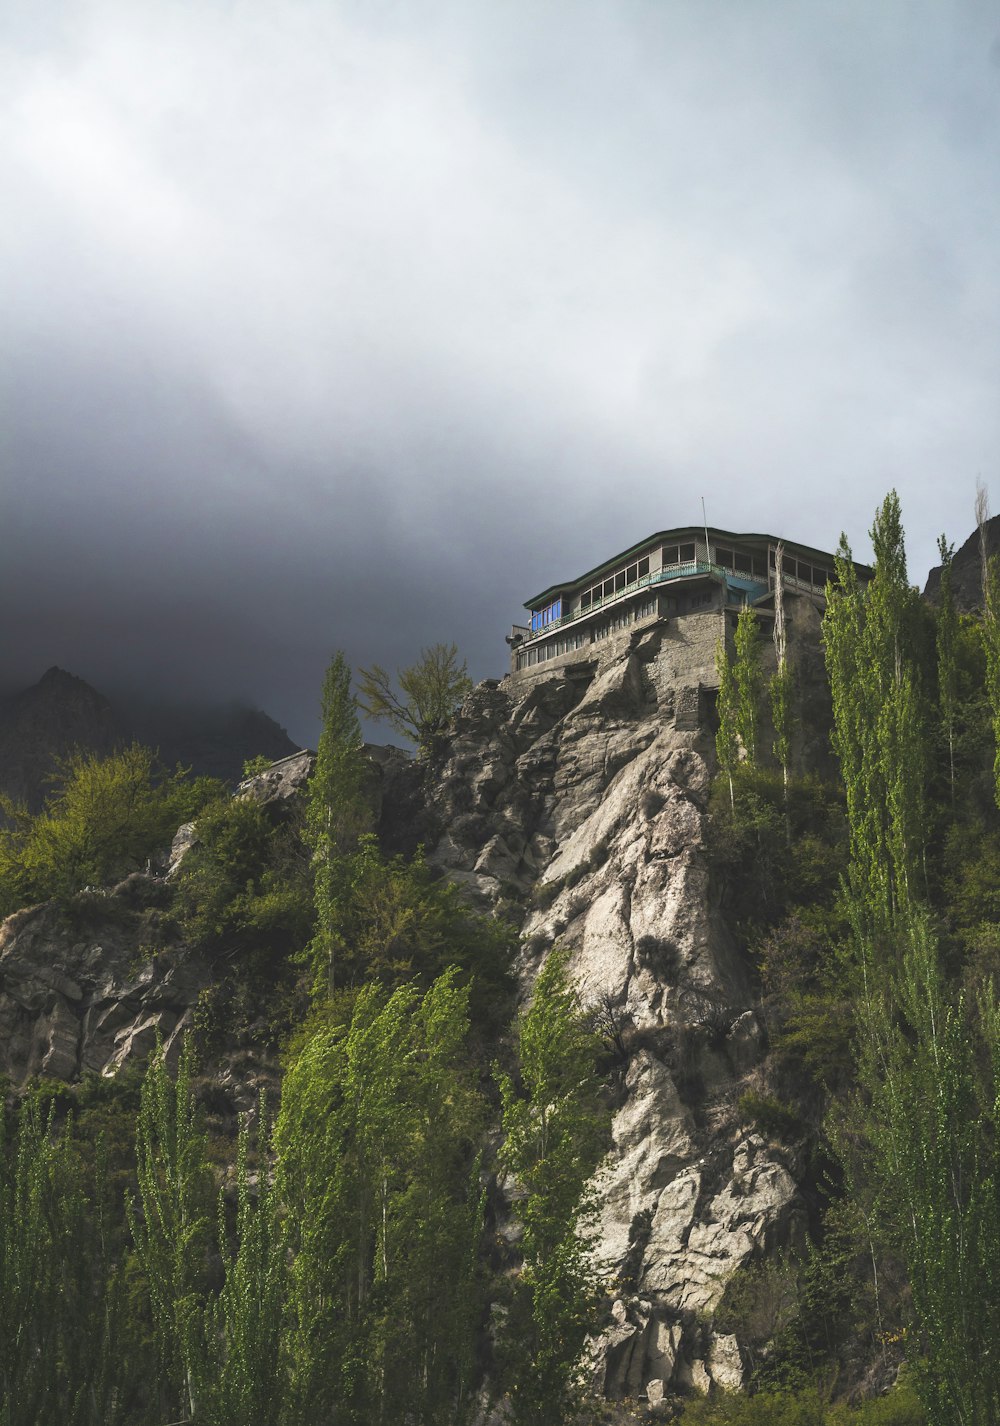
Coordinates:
x,y
692,579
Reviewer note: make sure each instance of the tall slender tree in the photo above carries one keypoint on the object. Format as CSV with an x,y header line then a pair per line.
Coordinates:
x,y
874,660
749,678
555,1129
375,1138
336,815
947,656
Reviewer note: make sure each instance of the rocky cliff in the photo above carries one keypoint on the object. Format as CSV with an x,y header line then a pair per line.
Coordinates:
x,y
574,805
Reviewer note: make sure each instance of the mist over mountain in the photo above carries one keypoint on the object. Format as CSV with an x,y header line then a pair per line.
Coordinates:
x,y
62,713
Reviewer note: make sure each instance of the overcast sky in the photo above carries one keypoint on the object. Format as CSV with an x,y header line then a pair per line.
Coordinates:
x,y
332,324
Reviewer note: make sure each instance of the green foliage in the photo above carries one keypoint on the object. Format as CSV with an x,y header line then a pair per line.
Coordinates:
x,y
253,766
242,1373
947,656
931,1072
171,1228
105,818
774,846
376,1141
243,892
556,1129
337,814
749,681
396,919
876,661
65,1351
781,691
806,1407
991,646
429,692
727,743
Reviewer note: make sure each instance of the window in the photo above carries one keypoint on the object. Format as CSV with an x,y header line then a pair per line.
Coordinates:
x,y
686,554
723,557
542,618
742,563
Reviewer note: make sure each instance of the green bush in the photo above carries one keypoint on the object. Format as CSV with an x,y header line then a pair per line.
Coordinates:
x,y
105,818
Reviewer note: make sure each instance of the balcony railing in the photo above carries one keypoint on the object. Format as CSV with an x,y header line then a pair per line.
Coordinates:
x,y
674,571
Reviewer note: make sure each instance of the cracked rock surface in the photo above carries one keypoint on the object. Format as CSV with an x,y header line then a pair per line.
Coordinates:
x,y
576,805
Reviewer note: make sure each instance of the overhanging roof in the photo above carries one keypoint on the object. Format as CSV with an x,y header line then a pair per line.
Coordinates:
x,y
538,601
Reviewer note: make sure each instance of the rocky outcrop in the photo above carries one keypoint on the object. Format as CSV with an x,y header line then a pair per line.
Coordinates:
x,y
576,805
82,988
967,570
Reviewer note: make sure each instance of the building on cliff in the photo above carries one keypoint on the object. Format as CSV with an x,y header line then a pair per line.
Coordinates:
x,y
683,575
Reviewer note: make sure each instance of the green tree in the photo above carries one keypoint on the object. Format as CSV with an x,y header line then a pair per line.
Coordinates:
x,y
555,1134
171,1229
67,1354
429,692
749,682
781,688
244,887
727,743
876,665
337,814
375,1141
243,1375
105,818
931,1072
947,656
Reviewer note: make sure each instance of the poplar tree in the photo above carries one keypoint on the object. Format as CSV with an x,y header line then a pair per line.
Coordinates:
x,y
749,680
377,1172
931,1073
781,687
990,574
555,1129
171,1227
727,743
947,656
337,813
880,733
243,1375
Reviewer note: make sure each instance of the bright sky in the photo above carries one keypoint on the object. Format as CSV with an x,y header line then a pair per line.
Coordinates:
x,y
334,324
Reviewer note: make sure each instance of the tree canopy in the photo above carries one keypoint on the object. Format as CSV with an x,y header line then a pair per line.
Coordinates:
x,y
428,693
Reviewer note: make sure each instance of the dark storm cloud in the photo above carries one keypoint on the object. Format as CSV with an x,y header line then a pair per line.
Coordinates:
x,y
342,325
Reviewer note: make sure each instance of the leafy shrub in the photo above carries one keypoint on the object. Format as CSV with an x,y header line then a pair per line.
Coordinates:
x,y
106,817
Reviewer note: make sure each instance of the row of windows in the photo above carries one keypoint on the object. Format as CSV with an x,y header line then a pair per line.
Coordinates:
x,y
542,618
566,643
615,583
809,573
740,562
552,648
677,554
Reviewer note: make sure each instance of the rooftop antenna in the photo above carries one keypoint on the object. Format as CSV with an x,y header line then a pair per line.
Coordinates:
x,y
704,521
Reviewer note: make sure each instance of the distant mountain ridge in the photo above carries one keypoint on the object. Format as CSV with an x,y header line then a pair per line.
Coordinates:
x,y
61,713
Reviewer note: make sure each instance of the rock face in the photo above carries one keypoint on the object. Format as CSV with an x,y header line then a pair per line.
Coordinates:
x,y
966,570
575,804
76,997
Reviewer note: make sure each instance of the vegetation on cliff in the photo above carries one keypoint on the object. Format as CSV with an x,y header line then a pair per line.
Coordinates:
x,y
349,1255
